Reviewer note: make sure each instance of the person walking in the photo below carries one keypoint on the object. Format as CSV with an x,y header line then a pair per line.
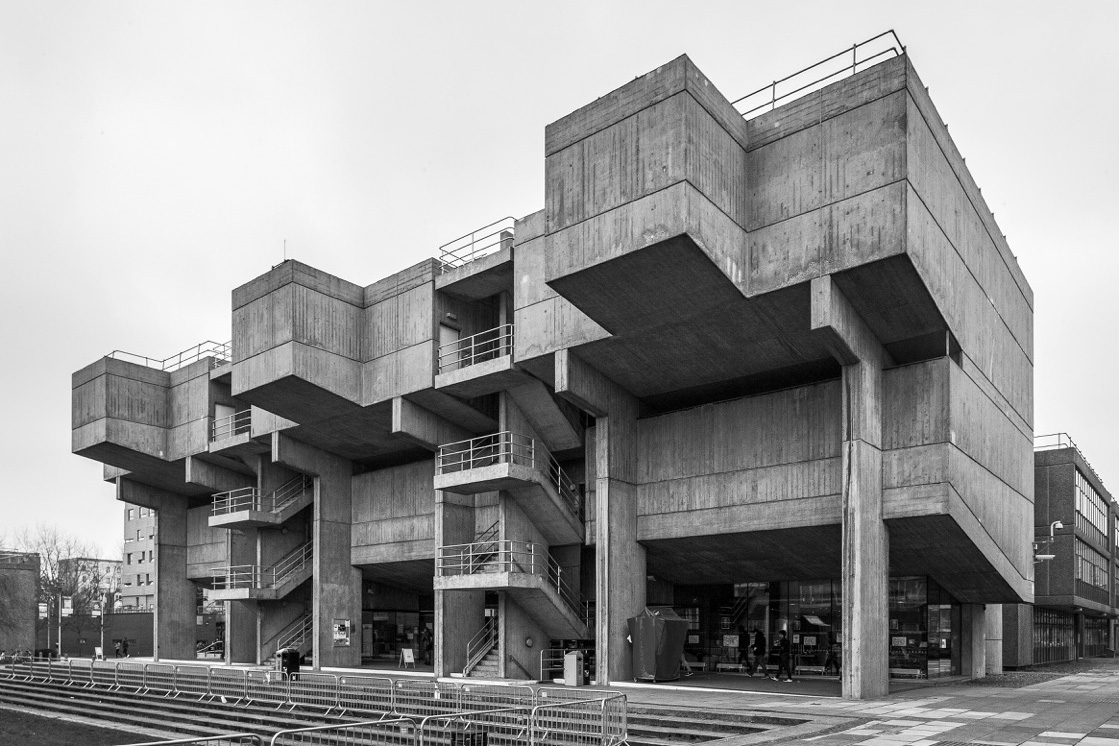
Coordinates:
x,y
760,652
783,658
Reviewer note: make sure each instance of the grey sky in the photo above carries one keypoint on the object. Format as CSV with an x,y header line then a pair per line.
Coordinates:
x,y
154,155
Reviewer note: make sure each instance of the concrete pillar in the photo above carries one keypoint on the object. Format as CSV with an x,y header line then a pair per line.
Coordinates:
x,y
993,634
458,614
866,546
336,583
173,621
973,647
241,617
620,559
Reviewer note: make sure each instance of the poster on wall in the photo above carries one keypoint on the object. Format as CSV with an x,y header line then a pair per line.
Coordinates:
x,y
341,629
730,641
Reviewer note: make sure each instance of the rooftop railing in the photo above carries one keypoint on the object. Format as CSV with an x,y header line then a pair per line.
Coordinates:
x,y
220,352
16,557
814,77
489,239
509,448
235,424
477,348
1055,441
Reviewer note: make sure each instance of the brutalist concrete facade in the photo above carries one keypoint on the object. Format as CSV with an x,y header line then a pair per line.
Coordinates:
x,y
786,348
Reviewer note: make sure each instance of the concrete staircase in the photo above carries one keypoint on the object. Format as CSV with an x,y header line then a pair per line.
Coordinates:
x,y
488,667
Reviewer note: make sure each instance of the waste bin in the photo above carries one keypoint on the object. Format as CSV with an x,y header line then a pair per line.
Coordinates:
x,y
287,661
573,669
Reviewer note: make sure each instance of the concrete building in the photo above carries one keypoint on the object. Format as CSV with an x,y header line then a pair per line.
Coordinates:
x,y
772,371
1076,543
19,597
139,578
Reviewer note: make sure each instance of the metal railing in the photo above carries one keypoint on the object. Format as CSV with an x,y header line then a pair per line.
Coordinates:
x,y
256,576
477,348
296,633
16,557
227,739
509,448
523,557
480,645
221,352
392,731
554,716
234,424
1056,441
814,77
551,660
480,242
251,498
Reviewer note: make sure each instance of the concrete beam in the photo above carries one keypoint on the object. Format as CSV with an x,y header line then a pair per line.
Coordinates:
x,y
214,477
423,427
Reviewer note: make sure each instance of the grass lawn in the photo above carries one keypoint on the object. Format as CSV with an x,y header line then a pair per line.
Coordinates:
x,y
36,730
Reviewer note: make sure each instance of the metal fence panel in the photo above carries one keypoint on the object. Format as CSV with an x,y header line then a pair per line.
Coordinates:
x,y
103,674
314,690
579,722
229,739
499,725
59,672
192,680
228,683
130,674
267,687
81,673
367,694
395,732
481,696
420,699
159,677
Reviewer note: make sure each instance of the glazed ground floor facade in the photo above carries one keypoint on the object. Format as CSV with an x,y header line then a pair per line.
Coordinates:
x,y
1040,635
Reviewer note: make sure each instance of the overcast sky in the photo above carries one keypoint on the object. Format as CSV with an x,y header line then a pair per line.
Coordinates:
x,y
154,155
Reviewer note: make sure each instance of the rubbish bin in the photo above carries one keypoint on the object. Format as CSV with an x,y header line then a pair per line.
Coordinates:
x,y
573,669
287,661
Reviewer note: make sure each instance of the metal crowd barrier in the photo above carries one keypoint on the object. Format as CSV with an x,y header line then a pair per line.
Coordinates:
x,y
228,739
412,712
395,732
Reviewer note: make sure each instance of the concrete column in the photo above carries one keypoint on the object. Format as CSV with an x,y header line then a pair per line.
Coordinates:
x,y
241,617
620,559
973,647
993,635
175,611
458,614
336,583
866,546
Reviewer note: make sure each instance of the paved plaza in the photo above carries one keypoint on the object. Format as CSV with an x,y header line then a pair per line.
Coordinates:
x,y
1079,709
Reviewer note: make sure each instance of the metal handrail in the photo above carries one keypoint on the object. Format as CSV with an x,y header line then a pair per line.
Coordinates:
x,y
296,633
250,498
480,645
551,659
896,49
480,242
477,348
233,577
234,424
509,448
221,352
524,557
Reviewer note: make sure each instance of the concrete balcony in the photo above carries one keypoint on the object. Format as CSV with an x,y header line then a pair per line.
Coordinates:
x,y
526,572
479,364
231,435
257,583
521,466
248,507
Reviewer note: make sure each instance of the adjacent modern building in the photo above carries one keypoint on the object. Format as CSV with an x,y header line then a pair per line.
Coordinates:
x,y
1076,561
138,575
770,370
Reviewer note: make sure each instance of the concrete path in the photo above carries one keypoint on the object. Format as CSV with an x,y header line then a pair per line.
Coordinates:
x,y
1079,709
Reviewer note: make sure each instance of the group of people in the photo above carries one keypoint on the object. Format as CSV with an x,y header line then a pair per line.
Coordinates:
x,y
759,659
15,656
